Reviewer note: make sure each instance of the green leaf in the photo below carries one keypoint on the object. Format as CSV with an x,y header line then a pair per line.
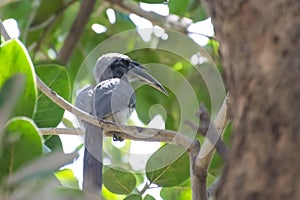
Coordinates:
x,y
168,166
188,8
53,142
176,193
149,197
48,114
67,178
210,179
123,23
47,9
18,10
67,122
178,7
21,143
46,21
197,12
133,197
119,181
14,59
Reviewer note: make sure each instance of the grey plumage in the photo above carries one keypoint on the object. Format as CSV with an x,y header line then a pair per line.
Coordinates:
x,y
92,168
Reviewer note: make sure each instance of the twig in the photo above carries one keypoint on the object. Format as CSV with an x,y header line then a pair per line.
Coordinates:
x,y
3,31
171,21
202,129
146,187
46,23
201,159
128,132
59,131
214,133
76,30
211,191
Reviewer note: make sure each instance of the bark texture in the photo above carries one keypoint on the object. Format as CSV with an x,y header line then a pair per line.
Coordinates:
x,y
260,48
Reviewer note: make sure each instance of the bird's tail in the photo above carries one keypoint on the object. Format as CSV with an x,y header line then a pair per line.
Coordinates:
x,y
92,161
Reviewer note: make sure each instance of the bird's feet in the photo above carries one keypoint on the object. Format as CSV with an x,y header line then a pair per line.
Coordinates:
x,y
117,138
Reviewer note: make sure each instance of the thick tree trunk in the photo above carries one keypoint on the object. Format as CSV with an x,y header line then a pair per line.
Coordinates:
x,y
260,47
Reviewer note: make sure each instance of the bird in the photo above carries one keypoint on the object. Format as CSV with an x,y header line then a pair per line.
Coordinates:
x,y
112,99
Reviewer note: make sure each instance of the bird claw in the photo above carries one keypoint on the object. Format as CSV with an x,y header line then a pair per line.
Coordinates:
x,y
117,138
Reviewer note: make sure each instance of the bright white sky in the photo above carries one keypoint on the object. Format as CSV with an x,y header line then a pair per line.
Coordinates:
x,y
70,143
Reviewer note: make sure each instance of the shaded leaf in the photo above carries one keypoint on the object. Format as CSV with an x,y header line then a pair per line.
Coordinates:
x,y
178,7
119,181
48,114
46,21
44,188
46,10
196,12
133,197
176,193
210,179
9,94
123,23
14,59
188,8
149,197
21,143
53,142
152,1
43,165
18,10
168,166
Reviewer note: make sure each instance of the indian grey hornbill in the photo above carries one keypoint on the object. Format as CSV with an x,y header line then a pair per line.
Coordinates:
x,y
111,99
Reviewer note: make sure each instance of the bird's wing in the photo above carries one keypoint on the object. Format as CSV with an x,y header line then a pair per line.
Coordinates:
x,y
84,99
111,96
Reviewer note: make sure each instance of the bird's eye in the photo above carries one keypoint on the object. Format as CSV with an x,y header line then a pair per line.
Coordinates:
x,y
125,62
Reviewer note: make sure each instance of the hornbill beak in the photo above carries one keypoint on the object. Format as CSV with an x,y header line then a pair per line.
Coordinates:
x,y
140,72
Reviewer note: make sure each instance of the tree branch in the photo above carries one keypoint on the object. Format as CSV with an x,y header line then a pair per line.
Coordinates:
x,y
76,30
126,132
203,128
200,160
59,131
171,21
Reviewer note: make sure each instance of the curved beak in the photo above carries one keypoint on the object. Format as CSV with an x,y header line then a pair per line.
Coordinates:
x,y
140,72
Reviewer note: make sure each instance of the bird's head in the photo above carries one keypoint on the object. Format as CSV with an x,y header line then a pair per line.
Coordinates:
x,y
114,65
